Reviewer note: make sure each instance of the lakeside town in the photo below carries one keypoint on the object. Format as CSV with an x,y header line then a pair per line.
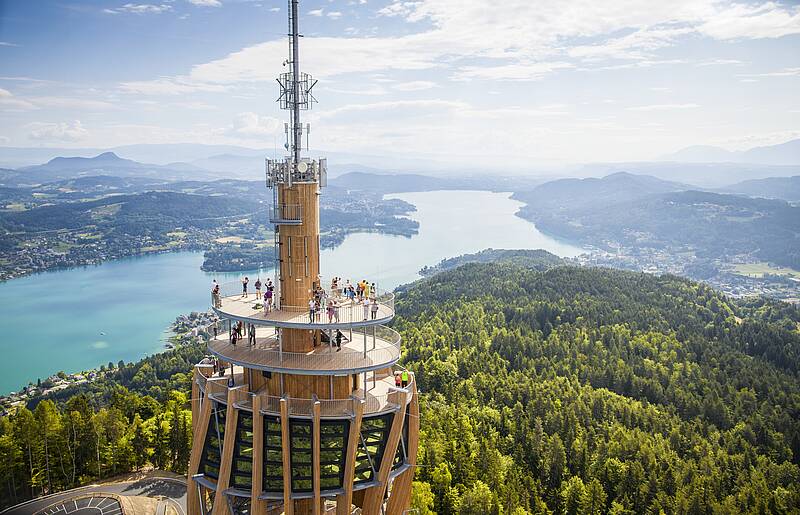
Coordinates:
x,y
723,275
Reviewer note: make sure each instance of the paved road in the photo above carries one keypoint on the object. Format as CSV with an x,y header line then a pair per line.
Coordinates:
x,y
172,489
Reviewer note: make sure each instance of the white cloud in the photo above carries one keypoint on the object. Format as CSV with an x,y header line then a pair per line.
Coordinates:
x,y
168,86
334,15
662,107
515,71
785,72
720,62
10,103
748,21
274,9
139,9
6,43
514,40
206,3
67,132
252,126
416,85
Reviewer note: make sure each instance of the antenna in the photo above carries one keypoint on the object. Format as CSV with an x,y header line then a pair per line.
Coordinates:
x,y
296,89
295,96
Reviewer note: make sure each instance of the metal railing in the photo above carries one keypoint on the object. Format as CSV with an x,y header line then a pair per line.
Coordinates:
x,y
344,310
286,213
303,407
374,347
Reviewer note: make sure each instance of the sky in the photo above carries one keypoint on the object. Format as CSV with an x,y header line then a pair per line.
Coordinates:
x,y
512,81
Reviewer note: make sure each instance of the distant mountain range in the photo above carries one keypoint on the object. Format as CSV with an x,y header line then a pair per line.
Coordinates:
x,y
569,194
783,154
105,164
647,212
785,188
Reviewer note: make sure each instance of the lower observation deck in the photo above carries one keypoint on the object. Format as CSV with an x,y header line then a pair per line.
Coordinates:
x,y
377,347
377,397
232,304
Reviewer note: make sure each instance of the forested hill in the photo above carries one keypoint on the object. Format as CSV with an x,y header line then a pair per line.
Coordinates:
x,y
587,390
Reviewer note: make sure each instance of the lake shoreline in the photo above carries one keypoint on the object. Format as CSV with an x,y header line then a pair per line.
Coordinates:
x,y
82,317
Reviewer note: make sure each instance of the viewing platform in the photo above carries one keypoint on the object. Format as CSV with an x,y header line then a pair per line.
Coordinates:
x,y
360,352
232,304
378,398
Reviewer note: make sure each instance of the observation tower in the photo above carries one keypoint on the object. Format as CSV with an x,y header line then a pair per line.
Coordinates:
x,y
304,414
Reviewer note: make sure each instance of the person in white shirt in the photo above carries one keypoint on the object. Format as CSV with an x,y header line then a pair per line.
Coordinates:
x,y
366,308
311,306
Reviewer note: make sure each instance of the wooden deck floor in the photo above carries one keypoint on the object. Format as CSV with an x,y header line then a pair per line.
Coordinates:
x,y
244,308
266,355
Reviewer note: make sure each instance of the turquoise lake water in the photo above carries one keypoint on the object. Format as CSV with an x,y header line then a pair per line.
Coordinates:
x,y
80,318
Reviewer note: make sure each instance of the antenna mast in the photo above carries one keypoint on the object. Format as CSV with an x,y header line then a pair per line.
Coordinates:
x,y
295,95
294,36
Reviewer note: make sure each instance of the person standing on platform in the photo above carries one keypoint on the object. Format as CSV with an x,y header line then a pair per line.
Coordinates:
x,y
311,306
339,337
336,311
330,311
244,286
258,288
367,291
366,308
397,382
404,378
267,301
215,297
252,335
374,307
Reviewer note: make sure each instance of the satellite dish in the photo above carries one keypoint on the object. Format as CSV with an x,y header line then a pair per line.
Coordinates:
x,y
302,167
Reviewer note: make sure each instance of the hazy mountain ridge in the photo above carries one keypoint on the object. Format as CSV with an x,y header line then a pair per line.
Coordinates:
x,y
785,188
629,211
107,163
787,153
569,194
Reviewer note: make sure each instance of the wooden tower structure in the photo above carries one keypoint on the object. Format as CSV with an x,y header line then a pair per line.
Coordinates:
x,y
308,413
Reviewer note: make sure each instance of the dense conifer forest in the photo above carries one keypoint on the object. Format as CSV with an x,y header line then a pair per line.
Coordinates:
x,y
545,389
587,390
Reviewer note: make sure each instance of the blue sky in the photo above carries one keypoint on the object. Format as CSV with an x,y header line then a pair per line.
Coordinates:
x,y
474,81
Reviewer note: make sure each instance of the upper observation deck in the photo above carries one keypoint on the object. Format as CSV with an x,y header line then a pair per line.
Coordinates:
x,y
360,352
344,313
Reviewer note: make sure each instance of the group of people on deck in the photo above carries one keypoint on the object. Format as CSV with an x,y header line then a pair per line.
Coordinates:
x,y
322,302
329,302
239,330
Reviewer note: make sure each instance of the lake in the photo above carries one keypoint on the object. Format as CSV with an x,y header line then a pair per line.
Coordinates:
x,y
81,318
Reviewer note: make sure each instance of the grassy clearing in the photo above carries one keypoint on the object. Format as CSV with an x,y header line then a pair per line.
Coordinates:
x,y
230,239
759,269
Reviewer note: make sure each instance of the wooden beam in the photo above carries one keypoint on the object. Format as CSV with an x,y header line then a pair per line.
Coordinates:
x,y
400,498
258,505
201,425
315,447
195,400
373,497
226,460
344,501
288,504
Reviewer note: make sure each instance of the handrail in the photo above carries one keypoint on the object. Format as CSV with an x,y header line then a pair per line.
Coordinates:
x,y
383,349
303,407
285,213
348,311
